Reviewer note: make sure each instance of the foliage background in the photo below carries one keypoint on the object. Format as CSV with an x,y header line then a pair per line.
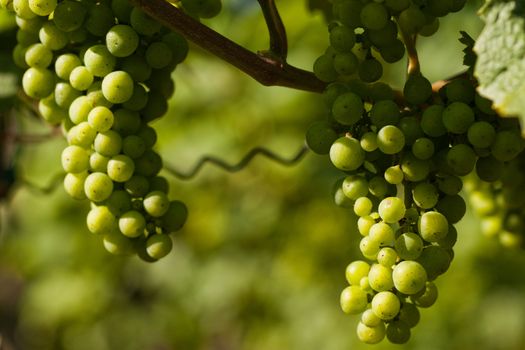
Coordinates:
x,y
260,263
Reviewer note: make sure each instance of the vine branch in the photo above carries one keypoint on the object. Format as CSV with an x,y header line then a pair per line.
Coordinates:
x,y
232,168
278,41
268,71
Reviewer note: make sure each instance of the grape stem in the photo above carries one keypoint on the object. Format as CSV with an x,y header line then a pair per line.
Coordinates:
x,y
413,59
437,85
276,29
232,168
269,70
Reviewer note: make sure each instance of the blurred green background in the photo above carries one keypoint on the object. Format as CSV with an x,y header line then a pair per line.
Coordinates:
x,y
260,263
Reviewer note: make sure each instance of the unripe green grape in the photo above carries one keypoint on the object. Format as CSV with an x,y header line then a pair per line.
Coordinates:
x,y
387,257
393,52
42,7
379,187
384,113
126,122
159,183
380,278
81,135
430,29
98,187
411,20
50,111
453,207
74,185
99,19
368,141
132,224
342,38
392,209
156,203
379,91
450,239
117,87
148,164
349,12
119,202
432,226
178,45
99,61
120,168
81,78
374,16
148,134
38,56
460,90
362,206
122,40
159,245
364,224
435,260
432,122
158,55
345,63
461,159
394,175
427,297
397,5
38,82
355,186
450,184
411,128
133,146
156,106
371,335
320,136
417,89
408,246
346,154
65,63
108,143
348,108
414,169
489,169
79,109
75,159
118,244
507,145
397,332
22,9
137,186
425,195
98,162
458,117
390,139
353,300
368,318
369,247
457,5
370,70
137,67
100,220
423,148
142,23
382,234
386,305
175,217
384,36
138,100
69,15
481,134
65,94
340,199
100,118
409,277
324,68
355,271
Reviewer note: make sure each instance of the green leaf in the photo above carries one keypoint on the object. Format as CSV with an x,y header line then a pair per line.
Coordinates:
x,y
500,67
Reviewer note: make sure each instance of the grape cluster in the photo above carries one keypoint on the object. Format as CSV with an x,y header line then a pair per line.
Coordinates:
x,y
404,155
102,69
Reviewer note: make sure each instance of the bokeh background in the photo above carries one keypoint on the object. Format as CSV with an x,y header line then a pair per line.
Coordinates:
x,y
260,263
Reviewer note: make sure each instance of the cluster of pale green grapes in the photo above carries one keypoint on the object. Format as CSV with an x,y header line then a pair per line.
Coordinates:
x,y
496,195
404,156
201,8
103,70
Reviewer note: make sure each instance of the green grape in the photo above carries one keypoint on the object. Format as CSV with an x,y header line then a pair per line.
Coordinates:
x,y
149,164
38,82
461,159
99,19
99,61
126,122
320,137
481,134
346,153
393,52
380,91
425,195
38,56
414,169
138,100
148,134
137,67
132,224
156,106
439,8
383,37
81,78
355,186
387,257
458,117
450,184
432,121
392,209
374,16
355,271
69,15
133,146
119,202
143,24
22,9
65,94
342,38
380,278
370,70
382,234
137,186
390,139
423,148
96,96
386,305
100,220
120,168
410,126
108,143
369,247
118,244
384,113
460,90
435,261
98,187
81,135
457,5
363,206
411,20
42,7
175,217
432,226
506,146
122,40
353,300
75,159
348,108
489,168
368,318
398,332
159,183
409,314
52,37
427,297
430,29
98,162
394,175
65,63
324,68
364,224
50,111
409,277
178,45
158,246
158,55
100,118
79,109
371,335
453,207
368,141
417,89
408,246
117,87
345,63
349,12
156,203
74,185
379,187
397,5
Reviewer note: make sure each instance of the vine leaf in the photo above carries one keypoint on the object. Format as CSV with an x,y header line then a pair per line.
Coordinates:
x,y
469,58
500,67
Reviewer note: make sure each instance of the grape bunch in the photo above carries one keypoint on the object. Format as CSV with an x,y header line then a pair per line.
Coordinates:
x,y
102,69
404,156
